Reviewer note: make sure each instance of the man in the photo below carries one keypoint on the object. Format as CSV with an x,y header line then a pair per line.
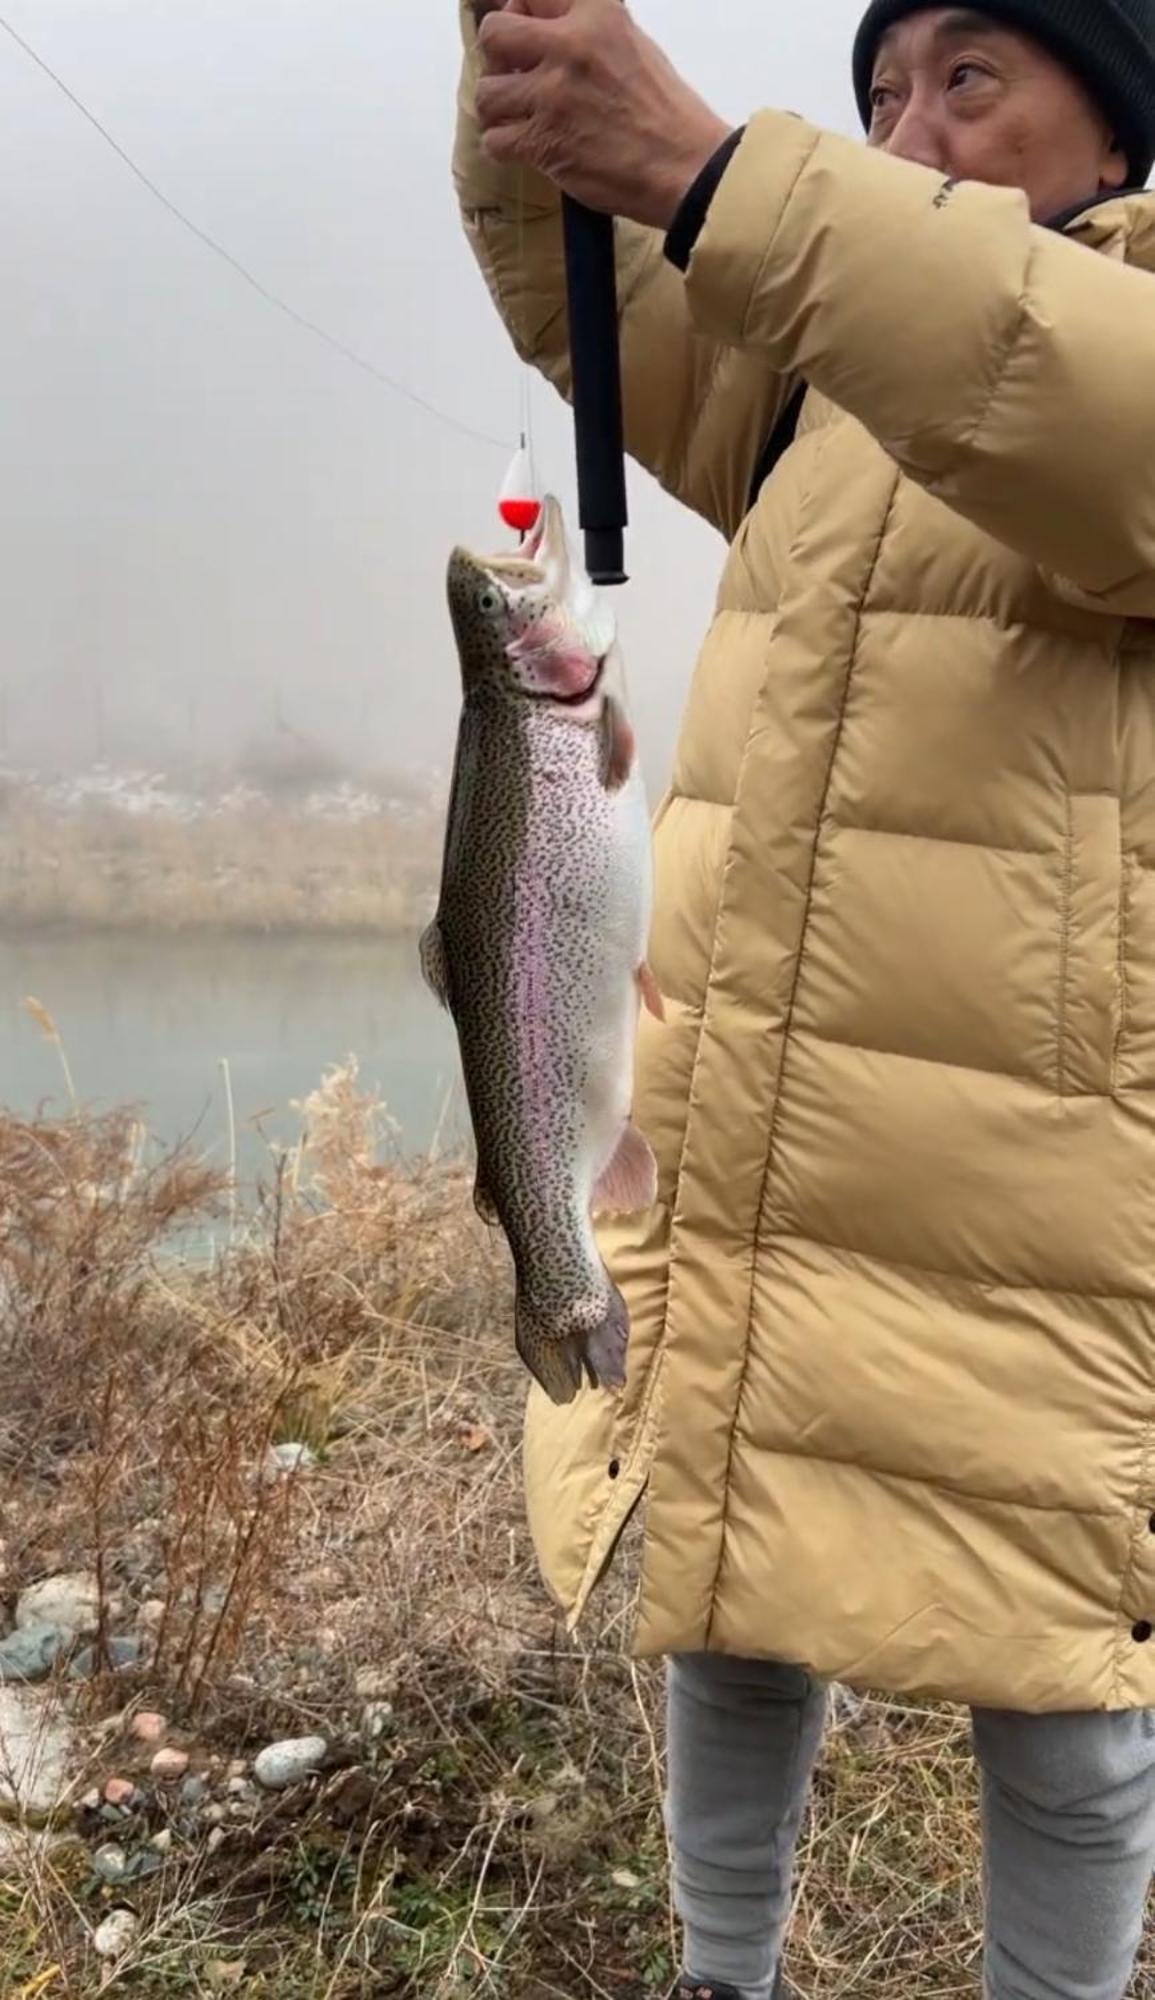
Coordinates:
x,y
892,1377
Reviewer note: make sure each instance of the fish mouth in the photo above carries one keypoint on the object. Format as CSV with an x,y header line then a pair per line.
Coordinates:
x,y
542,555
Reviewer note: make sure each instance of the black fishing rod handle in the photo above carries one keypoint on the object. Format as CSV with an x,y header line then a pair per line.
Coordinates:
x,y
595,360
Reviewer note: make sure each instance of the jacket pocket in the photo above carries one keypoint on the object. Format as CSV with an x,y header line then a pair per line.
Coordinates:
x,y
1090,985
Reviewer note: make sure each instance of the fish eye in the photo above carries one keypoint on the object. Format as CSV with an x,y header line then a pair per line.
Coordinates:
x,y
489,601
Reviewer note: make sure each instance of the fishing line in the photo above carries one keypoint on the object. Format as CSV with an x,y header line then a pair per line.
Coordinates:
x,y
242,271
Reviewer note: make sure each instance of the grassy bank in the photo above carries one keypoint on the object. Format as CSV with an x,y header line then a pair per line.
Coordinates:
x,y
488,1820
247,864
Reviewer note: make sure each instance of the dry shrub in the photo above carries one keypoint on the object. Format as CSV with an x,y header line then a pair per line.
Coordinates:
x,y
493,1822
255,866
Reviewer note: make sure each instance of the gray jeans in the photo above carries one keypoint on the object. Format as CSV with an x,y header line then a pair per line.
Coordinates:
x,y
1068,1824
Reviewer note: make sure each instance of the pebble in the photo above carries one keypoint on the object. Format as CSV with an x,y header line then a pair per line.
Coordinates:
x,y
162,1841
91,1800
70,1602
216,1839
116,1935
238,1768
122,1652
281,1460
151,1614
31,1653
193,1792
148,1727
169,1765
119,1792
288,1763
110,1862
215,1815
377,1719
239,1788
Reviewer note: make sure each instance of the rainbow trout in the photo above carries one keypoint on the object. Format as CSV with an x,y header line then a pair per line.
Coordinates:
x,y
538,945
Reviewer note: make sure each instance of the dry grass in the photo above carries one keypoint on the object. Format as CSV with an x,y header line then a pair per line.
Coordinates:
x,y
491,1821
257,867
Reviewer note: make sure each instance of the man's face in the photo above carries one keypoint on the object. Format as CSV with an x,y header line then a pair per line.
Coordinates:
x,y
981,102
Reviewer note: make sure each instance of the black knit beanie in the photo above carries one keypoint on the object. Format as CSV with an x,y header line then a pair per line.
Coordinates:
x,y
1109,44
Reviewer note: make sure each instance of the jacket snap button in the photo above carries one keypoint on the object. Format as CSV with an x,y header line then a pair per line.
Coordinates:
x,y
1142,1631
615,1467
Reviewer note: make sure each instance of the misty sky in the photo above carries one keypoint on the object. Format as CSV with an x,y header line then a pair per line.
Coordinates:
x,y
207,518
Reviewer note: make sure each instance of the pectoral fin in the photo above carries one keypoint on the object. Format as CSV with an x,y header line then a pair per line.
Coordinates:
x,y
629,1182
650,991
434,966
619,745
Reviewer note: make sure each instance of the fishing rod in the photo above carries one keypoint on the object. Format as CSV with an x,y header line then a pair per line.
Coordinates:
x,y
595,365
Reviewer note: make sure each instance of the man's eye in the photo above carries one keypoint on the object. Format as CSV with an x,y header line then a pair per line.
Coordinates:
x,y
880,95
964,70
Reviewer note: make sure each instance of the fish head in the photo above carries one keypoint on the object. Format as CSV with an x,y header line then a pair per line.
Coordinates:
x,y
530,626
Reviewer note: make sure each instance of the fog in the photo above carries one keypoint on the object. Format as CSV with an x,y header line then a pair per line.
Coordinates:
x,y
213,527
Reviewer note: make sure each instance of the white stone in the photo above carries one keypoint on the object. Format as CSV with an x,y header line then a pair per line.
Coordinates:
x,y
36,1752
116,1935
284,1764
71,1603
284,1459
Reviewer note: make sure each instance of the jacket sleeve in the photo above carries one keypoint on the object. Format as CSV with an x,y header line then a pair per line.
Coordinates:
x,y
697,410
1003,366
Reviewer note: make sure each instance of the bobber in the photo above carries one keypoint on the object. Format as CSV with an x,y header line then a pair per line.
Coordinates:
x,y
518,502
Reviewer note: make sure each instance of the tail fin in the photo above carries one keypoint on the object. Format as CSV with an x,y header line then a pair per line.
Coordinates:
x,y
560,1356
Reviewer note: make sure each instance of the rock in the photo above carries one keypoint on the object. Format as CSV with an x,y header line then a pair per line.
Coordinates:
x,y
282,1460
148,1727
150,1617
116,1935
169,1765
193,1792
110,1862
373,1684
91,1800
30,1653
119,1792
284,1764
70,1602
36,1751
240,1788
217,1838
162,1841
121,1652
238,1768
377,1720
215,1815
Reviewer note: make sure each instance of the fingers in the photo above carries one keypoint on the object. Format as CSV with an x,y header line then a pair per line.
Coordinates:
x,y
511,42
507,144
504,100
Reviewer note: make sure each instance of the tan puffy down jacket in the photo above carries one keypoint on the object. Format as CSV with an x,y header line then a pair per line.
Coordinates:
x,y
892,1388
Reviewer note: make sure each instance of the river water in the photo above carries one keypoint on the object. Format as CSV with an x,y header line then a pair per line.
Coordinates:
x,y
148,1019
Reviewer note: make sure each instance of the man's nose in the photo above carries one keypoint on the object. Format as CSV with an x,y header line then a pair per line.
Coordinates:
x,y
918,136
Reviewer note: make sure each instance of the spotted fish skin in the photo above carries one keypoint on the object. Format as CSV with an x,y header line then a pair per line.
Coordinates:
x,y
538,941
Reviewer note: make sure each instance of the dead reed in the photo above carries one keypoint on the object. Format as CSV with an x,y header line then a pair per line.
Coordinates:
x,y
489,1822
